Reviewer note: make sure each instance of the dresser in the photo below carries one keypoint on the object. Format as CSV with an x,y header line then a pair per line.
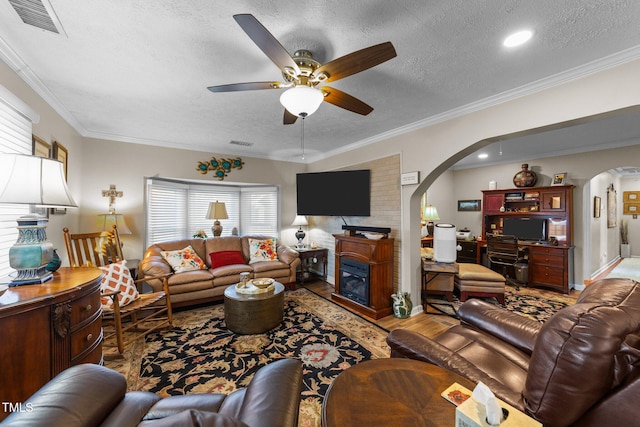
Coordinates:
x,y
46,328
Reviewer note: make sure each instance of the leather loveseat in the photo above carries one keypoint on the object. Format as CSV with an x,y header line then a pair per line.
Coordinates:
x,y
92,395
581,367
197,286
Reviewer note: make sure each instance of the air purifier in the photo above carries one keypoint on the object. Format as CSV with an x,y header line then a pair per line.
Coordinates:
x,y
444,243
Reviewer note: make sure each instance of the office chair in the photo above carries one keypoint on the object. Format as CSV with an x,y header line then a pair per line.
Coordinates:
x,y
503,250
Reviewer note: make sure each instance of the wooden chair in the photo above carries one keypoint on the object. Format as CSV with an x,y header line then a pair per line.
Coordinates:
x,y
148,313
504,251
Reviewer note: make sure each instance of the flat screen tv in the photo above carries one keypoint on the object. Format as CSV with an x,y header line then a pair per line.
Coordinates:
x,y
340,193
525,228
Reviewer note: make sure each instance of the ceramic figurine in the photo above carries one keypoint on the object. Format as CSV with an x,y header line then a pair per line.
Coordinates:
x,y
402,305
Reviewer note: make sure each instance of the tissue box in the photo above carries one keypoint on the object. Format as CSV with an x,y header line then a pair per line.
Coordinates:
x,y
472,414
469,413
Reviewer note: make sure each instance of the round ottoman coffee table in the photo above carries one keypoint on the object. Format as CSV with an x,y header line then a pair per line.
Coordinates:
x,y
253,313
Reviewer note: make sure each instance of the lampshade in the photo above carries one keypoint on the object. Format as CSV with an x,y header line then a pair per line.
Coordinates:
x,y
430,213
301,101
300,220
107,221
38,181
33,180
217,210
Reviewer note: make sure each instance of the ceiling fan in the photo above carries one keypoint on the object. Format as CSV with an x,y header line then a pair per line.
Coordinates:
x,y
304,77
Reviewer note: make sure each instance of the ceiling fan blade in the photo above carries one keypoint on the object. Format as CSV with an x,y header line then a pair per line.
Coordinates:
x,y
346,101
289,118
266,42
356,62
234,87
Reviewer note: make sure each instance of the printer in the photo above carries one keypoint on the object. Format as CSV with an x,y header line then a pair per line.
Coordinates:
x,y
463,234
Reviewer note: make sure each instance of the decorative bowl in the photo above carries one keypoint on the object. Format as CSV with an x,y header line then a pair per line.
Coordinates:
x,y
262,283
374,236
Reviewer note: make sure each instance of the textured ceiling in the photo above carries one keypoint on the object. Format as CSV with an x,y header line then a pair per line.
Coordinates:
x,y
137,71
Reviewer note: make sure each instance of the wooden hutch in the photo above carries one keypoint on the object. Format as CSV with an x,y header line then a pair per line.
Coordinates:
x,y
550,261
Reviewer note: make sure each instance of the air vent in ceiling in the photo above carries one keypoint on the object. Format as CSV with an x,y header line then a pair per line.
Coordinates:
x,y
243,143
37,13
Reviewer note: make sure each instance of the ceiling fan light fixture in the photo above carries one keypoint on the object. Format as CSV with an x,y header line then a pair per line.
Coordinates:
x,y
301,101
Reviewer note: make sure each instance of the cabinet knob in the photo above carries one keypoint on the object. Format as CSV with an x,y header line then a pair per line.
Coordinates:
x,y
89,337
88,307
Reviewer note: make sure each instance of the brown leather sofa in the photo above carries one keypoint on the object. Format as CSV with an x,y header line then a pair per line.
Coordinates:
x,y
581,367
92,395
198,286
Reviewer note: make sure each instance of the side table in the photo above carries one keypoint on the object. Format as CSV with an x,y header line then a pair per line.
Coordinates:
x,y
438,279
249,314
391,392
309,256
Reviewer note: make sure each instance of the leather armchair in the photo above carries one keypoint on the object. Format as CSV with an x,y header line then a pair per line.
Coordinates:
x,y
581,367
92,395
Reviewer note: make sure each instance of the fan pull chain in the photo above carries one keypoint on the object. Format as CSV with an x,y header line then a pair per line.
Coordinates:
x,y
302,137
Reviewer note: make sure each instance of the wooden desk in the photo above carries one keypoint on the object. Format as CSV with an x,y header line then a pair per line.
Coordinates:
x,y
46,328
391,392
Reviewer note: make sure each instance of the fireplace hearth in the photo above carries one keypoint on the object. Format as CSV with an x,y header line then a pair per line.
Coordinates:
x,y
354,280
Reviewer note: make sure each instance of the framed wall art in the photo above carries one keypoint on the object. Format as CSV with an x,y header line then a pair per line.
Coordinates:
x,y
40,147
597,206
612,207
631,208
631,196
469,205
61,154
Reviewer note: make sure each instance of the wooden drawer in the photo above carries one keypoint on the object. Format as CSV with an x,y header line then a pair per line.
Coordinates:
x,y
84,308
555,260
86,337
547,276
469,252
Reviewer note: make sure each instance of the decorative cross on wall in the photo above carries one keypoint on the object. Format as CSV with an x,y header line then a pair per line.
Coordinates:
x,y
112,193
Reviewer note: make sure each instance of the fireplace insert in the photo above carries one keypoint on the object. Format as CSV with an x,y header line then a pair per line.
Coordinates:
x,y
354,280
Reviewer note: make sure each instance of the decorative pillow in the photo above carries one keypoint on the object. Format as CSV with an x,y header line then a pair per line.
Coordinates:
x,y
220,258
117,278
184,260
262,250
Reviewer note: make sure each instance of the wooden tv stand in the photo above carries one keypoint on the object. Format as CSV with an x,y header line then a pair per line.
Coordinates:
x,y
378,254
550,264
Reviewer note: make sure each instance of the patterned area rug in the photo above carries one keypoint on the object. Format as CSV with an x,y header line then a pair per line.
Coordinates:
x,y
523,302
201,355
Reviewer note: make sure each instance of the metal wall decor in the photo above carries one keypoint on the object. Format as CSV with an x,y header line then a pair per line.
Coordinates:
x,y
220,167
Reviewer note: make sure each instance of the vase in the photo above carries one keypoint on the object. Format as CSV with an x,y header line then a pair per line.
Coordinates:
x,y
525,178
55,262
402,305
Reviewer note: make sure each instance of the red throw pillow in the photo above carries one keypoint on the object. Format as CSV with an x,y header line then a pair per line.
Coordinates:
x,y
220,258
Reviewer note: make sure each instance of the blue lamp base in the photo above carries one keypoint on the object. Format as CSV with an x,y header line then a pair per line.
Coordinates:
x,y
32,252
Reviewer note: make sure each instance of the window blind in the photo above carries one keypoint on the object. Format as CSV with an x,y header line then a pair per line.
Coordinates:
x,y
15,137
176,209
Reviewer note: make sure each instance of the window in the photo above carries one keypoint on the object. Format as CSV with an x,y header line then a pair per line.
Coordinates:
x,y
15,137
175,209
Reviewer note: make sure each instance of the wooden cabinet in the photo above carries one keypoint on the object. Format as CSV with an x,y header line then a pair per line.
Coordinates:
x,y
378,255
468,252
46,328
551,267
551,259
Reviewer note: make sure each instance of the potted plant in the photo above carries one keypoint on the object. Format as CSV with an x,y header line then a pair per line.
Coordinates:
x,y
625,247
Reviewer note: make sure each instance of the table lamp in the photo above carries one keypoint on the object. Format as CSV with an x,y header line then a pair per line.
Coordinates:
x,y
217,211
35,181
430,215
300,220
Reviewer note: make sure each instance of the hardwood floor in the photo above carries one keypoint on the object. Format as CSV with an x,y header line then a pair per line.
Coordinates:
x,y
429,325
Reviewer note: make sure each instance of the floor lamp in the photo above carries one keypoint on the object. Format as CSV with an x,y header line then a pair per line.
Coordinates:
x,y
34,181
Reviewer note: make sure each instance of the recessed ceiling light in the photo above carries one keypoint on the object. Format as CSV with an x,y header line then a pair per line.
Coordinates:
x,y
483,155
517,38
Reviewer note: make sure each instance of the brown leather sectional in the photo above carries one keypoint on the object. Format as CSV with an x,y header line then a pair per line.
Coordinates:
x,y
581,367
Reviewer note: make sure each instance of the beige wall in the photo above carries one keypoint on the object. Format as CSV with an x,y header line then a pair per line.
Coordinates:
x,y
93,165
